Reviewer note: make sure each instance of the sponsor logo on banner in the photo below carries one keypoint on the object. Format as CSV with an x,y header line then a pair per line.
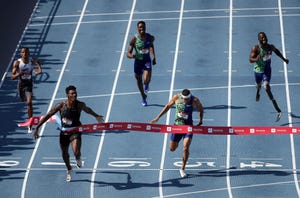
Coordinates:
x,y
252,130
273,130
148,127
111,126
190,129
136,126
169,128
209,130
80,129
94,127
294,130
231,130
218,130
128,126
118,126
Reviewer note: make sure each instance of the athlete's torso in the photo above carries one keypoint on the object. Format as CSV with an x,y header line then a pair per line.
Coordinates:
x,y
70,117
142,47
184,112
27,69
264,61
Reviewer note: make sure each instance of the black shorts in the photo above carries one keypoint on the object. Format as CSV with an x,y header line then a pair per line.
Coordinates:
x,y
66,138
25,89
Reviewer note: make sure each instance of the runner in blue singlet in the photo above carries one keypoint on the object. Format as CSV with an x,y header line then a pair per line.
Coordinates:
x,y
185,102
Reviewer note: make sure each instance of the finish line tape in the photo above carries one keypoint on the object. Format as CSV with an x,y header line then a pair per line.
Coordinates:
x,y
161,128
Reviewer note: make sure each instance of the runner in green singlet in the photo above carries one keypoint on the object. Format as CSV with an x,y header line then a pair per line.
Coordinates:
x,y
261,57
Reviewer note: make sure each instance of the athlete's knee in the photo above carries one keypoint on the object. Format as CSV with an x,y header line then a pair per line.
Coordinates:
x,y
267,86
173,146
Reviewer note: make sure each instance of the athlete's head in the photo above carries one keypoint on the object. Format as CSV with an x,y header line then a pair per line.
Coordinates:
x,y
141,26
71,92
262,38
24,52
186,94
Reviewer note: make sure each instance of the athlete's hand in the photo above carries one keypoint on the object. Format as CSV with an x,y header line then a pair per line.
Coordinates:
x,y
154,61
286,61
154,120
99,119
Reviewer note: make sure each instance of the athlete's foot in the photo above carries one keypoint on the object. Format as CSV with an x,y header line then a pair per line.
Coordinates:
x,y
182,173
79,163
68,176
29,129
257,96
278,117
146,88
144,102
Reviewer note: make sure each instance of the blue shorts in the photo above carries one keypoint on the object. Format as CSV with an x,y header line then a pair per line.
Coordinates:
x,y
177,137
262,77
141,65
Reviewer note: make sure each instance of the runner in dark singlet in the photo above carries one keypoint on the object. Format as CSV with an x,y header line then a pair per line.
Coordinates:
x,y
69,113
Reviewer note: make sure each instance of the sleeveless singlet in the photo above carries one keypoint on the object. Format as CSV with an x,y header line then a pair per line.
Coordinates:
x,y
70,116
264,61
26,69
142,48
184,112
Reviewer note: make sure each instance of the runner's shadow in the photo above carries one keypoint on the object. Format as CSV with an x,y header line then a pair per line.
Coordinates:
x,y
7,175
223,173
216,107
130,184
294,116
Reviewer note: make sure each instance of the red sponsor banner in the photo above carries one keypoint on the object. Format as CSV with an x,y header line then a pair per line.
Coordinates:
x,y
160,128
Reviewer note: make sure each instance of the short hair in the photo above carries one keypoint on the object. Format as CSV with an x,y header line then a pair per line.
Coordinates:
x,y
261,33
25,48
185,92
141,22
70,87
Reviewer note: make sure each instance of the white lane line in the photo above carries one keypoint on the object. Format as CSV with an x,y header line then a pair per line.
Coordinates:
x,y
293,155
223,189
160,181
229,190
111,100
52,100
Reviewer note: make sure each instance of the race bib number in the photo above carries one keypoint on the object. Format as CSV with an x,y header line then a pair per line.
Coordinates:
x,y
144,51
183,115
267,57
66,121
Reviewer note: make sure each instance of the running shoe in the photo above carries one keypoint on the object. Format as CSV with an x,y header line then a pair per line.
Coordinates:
x,y
29,129
146,88
79,163
182,173
68,176
257,95
144,102
278,117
